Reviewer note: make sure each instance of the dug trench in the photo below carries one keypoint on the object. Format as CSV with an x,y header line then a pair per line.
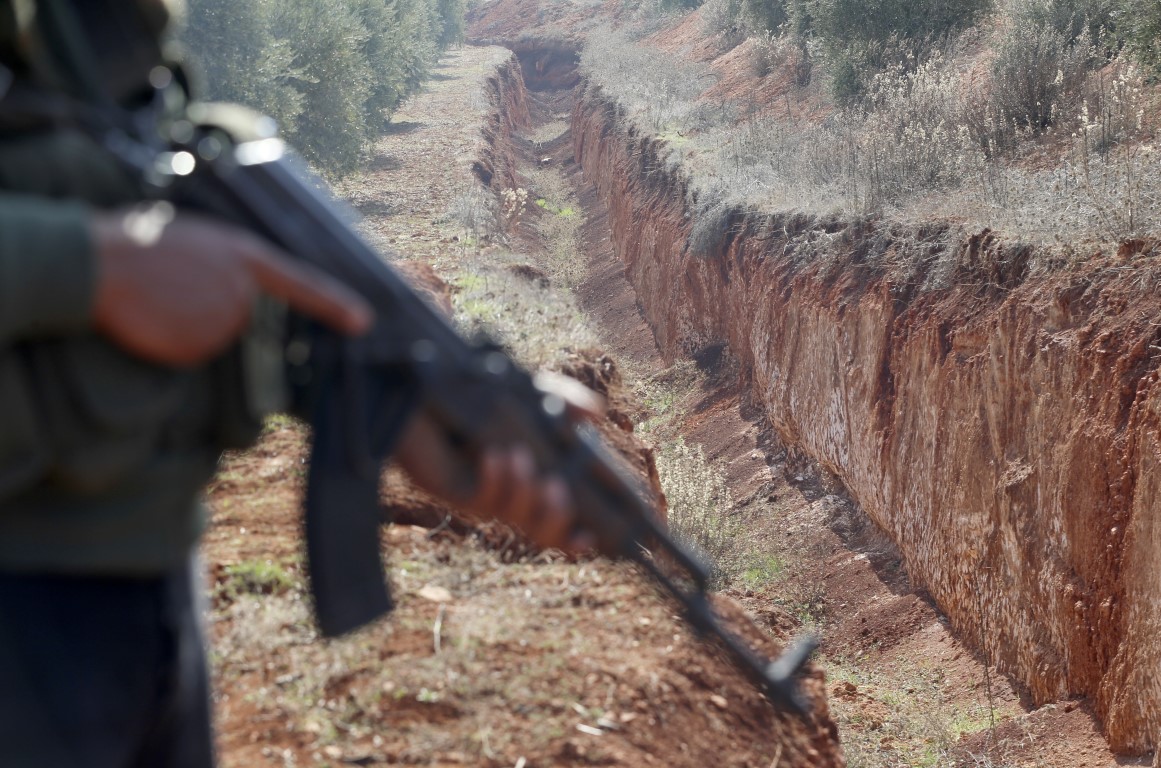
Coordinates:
x,y
953,469
494,655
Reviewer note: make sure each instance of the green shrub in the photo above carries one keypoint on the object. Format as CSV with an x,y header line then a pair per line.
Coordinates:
x,y
798,27
764,15
914,21
860,39
1039,62
1138,25
329,71
723,16
1072,18
848,75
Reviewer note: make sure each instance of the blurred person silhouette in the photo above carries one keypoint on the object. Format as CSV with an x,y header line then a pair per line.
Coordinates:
x,y
116,320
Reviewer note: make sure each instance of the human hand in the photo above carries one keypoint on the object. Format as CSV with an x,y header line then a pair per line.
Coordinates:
x,y
506,483
178,288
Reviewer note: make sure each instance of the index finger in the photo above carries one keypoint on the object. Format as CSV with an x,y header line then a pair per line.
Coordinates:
x,y
309,290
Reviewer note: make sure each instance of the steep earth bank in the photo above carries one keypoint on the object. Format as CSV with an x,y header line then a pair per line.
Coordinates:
x,y
994,409
549,72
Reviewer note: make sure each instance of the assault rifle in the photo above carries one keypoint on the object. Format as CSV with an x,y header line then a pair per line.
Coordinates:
x,y
473,392
349,388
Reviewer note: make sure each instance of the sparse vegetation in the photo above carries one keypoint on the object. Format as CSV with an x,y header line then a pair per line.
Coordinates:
x,y
653,86
948,116
477,213
699,506
559,226
899,717
256,577
538,321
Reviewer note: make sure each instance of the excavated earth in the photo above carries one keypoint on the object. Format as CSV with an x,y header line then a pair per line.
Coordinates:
x,y
994,409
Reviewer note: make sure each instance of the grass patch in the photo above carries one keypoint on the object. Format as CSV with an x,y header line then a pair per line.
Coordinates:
x,y
256,577
470,281
566,211
564,257
766,570
900,717
538,324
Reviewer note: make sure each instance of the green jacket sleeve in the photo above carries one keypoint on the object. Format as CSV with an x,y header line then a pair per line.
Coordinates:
x,y
47,268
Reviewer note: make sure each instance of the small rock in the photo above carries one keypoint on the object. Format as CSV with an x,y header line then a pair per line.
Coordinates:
x,y
572,749
607,724
719,701
845,690
435,594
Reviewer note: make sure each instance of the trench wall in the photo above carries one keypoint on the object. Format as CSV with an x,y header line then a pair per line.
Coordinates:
x,y
998,414
812,741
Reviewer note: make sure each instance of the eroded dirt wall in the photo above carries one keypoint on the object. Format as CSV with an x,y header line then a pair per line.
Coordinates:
x,y
1004,429
508,100
751,726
